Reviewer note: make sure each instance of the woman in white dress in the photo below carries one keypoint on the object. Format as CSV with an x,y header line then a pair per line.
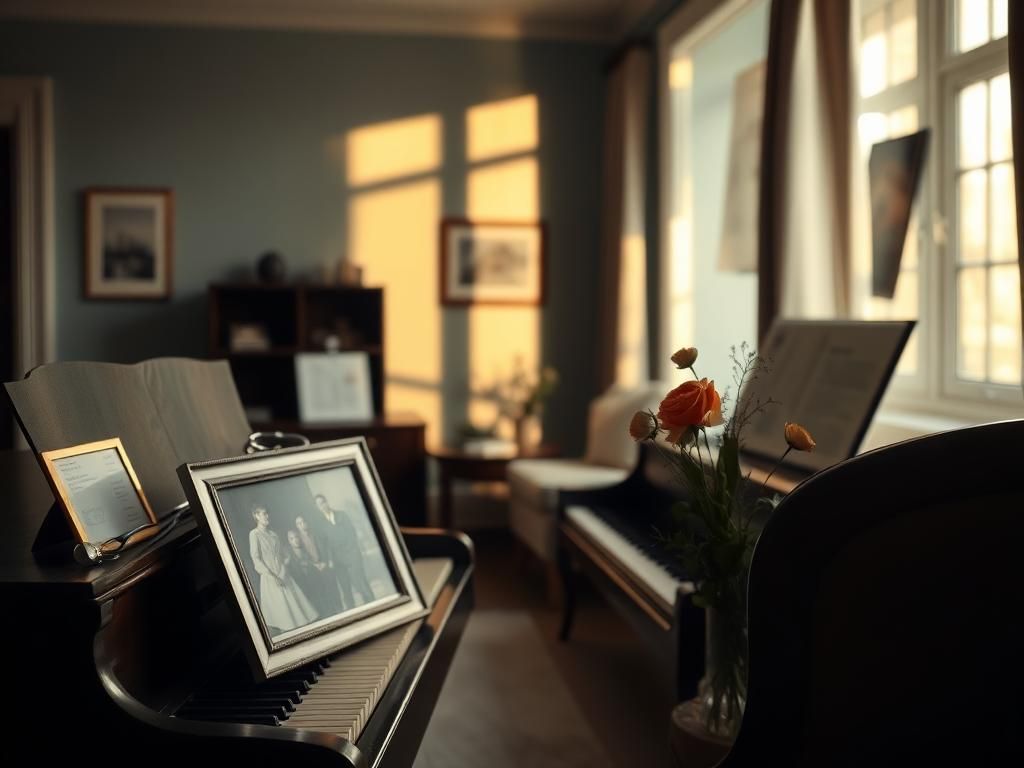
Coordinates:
x,y
282,603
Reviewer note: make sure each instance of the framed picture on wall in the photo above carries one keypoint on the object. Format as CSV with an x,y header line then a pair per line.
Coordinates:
x,y
128,243
484,262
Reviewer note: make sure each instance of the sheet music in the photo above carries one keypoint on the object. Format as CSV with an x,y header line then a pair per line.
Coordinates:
x,y
827,376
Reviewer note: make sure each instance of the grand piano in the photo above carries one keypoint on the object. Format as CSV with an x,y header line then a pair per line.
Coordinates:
x,y
140,659
611,536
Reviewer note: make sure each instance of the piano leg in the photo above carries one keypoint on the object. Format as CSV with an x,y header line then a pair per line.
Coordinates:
x,y
568,592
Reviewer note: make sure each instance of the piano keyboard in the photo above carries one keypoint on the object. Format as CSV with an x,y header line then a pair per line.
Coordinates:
x,y
634,552
336,694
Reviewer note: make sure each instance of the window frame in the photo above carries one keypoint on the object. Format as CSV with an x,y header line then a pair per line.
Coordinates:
x,y
937,390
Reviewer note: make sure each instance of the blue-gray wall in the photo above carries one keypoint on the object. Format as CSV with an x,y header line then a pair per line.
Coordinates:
x,y
236,123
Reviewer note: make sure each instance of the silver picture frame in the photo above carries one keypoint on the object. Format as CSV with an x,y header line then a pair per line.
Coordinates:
x,y
308,548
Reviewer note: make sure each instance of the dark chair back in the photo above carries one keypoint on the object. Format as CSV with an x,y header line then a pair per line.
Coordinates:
x,y
886,607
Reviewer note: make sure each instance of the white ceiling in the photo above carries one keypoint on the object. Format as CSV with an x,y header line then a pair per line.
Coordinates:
x,y
582,19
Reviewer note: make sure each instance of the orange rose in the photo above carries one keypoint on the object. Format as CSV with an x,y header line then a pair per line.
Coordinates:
x,y
688,404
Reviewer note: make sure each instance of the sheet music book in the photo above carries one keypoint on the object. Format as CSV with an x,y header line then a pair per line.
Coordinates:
x,y
828,376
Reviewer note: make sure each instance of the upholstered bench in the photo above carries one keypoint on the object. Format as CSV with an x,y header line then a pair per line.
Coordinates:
x,y
534,484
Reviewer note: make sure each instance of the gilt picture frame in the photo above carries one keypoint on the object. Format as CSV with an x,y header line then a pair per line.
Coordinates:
x,y
128,243
97,488
308,548
492,262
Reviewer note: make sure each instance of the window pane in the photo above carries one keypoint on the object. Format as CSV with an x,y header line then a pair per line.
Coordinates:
x,y
971,324
1004,342
909,260
973,125
971,24
1000,146
973,221
998,19
1004,214
904,307
871,128
903,42
873,55
903,121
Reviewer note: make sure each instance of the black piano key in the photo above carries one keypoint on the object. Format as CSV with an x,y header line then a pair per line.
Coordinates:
x,y
256,719
229,697
232,712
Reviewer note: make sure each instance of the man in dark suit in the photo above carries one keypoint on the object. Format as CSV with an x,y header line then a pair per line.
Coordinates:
x,y
339,544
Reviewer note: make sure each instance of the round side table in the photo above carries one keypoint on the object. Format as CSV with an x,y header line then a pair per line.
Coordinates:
x,y
456,464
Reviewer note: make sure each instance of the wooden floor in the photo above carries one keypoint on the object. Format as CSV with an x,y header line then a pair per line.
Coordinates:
x,y
596,700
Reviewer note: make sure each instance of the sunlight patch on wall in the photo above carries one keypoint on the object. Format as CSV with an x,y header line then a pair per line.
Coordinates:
x,y
393,150
631,355
393,234
498,336
501,128
504,191
680,73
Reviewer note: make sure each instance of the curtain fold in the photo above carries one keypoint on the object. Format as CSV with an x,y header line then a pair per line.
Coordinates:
x,y
804,210
783,23
623,336
1015,39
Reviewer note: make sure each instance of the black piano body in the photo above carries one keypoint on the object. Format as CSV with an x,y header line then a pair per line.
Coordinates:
x,y
611,535
99,660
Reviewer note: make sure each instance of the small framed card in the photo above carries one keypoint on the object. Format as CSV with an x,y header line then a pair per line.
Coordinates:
x,y
334,386
98,490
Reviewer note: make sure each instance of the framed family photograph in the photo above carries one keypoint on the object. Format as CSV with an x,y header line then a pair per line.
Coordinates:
x,y
308,548
492,262
128,243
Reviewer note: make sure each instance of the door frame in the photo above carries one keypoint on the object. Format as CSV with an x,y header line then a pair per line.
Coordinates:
x,y
26,106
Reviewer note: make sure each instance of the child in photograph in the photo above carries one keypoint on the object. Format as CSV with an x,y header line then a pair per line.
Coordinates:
x,y
310,578
283,604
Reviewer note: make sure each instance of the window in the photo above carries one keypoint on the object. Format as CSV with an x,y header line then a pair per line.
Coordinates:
x,y
943,65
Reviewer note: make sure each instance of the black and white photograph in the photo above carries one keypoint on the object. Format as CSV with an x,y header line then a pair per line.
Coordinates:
x,y
308,546
128,243
491,262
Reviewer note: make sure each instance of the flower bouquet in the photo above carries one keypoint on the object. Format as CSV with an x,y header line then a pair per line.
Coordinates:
x,y
521,397
713,538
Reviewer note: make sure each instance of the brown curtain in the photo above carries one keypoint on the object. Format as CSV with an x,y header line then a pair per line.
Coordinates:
x,y
622,340
1015,39
820,200
783,23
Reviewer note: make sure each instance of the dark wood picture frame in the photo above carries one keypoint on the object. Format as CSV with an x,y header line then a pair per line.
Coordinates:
x,y
128,248
512,252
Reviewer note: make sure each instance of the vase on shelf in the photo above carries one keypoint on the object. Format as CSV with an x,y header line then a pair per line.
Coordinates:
x,y
527,434
722,691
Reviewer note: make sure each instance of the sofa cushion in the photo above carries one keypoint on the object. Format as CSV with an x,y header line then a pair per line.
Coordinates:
x,y
537,481
608,440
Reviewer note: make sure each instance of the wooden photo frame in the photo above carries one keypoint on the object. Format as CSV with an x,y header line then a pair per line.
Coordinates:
x,y
492,262
307,546
96,486
128,243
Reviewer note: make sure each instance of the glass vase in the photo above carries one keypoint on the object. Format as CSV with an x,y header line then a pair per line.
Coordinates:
x,y
723,689
527,434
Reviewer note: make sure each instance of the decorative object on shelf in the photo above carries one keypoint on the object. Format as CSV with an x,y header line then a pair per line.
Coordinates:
x,y
248,337
271,267
520,399
96,486
350,273
713,536
308,548
333,386
492,262
128,243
